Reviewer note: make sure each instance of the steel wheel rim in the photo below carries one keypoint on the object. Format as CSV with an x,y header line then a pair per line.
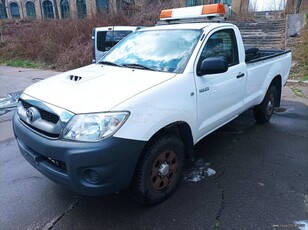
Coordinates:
x,y
164,170
270,105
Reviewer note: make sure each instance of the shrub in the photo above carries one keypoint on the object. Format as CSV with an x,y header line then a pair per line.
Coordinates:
x,y
65,43
300,57
61,44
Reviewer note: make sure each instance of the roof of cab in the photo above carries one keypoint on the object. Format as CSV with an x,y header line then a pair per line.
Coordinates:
x,y
194,17
184,26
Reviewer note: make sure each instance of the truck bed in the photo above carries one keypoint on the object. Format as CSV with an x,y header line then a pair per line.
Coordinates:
x,y
262,65
254,54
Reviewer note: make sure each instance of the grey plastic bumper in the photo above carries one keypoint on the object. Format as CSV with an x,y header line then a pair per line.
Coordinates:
x,y
87,168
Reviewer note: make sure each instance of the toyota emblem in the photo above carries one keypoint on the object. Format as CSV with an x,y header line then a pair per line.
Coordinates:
x,y
31,114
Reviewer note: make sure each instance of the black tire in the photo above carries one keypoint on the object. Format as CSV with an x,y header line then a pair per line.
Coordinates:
x,y
159,170
264,111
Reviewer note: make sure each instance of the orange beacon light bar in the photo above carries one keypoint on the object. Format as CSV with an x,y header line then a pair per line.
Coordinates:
x,y
193,12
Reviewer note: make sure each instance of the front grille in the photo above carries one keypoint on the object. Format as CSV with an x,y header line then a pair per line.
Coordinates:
x,y
45,115
47,134
25,104
49,116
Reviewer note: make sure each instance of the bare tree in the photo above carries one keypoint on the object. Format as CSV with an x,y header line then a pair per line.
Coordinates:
x,y
253,6
272,5
297,5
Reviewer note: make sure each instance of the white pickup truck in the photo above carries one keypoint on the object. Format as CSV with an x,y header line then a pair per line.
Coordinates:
x,y
131,119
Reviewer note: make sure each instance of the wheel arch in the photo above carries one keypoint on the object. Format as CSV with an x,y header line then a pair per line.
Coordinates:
x,y
180,129
139,187
183,131
277,82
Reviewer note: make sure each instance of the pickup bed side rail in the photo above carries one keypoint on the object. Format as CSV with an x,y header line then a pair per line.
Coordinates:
x,y
266,54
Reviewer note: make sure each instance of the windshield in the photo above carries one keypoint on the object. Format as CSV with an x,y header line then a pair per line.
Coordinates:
x,y
159,50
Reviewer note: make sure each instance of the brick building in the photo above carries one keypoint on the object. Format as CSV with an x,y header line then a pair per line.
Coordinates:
x,y
49,9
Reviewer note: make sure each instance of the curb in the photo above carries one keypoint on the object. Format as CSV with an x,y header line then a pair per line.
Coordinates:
x,y
297,81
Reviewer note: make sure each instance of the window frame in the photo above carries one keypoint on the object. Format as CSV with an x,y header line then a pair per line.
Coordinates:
x,y
30,9
81,6
234,47
14,6
65,9
47,15
3,13
102,6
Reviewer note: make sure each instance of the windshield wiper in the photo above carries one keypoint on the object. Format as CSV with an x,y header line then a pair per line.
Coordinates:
x,y
109,63
138,66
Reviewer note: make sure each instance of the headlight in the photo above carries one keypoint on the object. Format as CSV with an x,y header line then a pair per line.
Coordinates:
x,y
94,127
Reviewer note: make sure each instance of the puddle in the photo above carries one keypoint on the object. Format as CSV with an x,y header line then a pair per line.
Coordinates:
x,y
232,131
302,224
198,171
280,110
284,109
37,79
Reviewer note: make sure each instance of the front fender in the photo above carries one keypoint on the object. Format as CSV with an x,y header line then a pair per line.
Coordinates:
x,y
170,102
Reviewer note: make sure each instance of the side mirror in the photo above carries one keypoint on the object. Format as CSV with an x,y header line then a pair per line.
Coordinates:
x,y
213,65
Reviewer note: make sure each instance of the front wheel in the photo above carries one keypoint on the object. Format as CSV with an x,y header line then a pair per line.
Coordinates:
x,y
159,170
264,111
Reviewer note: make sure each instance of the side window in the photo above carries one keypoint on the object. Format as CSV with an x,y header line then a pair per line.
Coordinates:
x,y
221,43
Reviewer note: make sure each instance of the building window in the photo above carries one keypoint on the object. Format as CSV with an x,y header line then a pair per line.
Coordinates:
x,y
3,14
124,4
119,5
81,8
14,10
102,5
65,9
30,8
48,9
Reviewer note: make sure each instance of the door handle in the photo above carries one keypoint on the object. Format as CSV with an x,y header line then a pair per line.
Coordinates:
x,y
240,75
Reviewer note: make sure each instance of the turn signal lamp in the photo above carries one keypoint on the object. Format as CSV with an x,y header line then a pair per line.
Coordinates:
x,y
193,12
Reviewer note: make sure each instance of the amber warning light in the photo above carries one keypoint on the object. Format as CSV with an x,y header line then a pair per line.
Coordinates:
x,y
194,12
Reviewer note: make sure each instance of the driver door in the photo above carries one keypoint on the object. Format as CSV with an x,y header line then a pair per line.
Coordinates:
x,y
219,96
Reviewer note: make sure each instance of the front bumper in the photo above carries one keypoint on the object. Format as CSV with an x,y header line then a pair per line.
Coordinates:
x,y
87,168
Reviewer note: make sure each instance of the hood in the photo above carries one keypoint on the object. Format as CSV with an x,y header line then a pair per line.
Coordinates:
x,y
95,88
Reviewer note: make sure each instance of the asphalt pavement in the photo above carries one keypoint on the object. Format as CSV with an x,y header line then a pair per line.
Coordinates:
x,y
14,80
245,176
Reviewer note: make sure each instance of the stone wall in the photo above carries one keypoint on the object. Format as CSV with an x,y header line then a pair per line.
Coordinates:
x,y
295,22
269,34
272,30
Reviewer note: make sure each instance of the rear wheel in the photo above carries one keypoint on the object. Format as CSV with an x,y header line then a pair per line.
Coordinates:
x,y
159,170
264,111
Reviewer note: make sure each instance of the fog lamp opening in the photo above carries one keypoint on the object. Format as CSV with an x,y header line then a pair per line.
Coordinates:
x,y
91,176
